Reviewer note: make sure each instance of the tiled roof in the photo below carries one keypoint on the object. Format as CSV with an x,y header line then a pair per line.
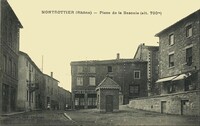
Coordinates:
x,y
108,83
101,62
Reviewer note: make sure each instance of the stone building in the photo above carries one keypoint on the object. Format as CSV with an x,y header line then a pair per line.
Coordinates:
x,y
64,99
179,64
179,69
108,96
36,90
30,83
130,74
9,48
179,55
50,92
149,54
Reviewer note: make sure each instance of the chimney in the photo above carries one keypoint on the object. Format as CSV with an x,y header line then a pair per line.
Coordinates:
x,y
52,74
118,56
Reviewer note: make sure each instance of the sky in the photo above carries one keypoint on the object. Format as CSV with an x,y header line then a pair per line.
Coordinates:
x,y
63,38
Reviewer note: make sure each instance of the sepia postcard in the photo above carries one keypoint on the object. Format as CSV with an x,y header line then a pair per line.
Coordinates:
x,y
99,63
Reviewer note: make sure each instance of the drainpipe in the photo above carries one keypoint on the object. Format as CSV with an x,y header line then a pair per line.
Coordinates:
x,y
1,71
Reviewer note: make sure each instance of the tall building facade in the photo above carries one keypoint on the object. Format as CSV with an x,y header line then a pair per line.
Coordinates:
x,y
50,92
37,90
64,99
179,59
30,84
149,54
9,48
130,74
179,66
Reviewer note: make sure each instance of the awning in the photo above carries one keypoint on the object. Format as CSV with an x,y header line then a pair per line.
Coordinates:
x,y
182,76
166,79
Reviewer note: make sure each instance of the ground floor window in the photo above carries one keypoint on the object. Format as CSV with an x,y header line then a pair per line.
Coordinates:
x,y
5,97
76,101
79,101
191,82
92,100
82,101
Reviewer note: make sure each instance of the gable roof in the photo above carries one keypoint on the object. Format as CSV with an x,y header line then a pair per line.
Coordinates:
x,y
196,12
108,83
141,48
15,16
30,60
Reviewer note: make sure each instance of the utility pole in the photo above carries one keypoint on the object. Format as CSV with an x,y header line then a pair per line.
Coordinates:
x,y
1,59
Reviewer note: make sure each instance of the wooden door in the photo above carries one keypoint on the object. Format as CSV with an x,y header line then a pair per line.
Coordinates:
x,y
109,103
163,106
184,107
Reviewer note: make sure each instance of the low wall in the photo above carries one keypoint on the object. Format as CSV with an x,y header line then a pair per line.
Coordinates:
x,y
187,103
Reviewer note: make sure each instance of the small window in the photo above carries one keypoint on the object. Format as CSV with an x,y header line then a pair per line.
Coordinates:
x,y
79,81
14,70
92,69
5,63
82,101
171,60
137,74
185,102
171,39
48,89
76,101
92,81
29,67
10,66
189,31
27,95
189,56
188,84
80,69
32,97
110,69
51,91
172,88
92,101
27,63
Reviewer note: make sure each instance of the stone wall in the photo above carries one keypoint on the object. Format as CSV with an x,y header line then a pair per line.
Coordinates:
x,y
174,103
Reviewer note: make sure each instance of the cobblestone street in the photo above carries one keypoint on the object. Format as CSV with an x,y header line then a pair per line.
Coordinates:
x,y
91,117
